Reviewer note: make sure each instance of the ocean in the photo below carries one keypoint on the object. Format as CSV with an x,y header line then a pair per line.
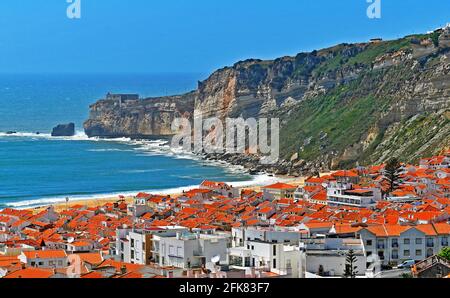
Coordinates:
x,y
37,169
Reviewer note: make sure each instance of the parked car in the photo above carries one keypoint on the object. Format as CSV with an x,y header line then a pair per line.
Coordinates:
x,y
406,264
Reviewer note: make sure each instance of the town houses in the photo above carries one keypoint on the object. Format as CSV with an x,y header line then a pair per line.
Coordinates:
x,y
298,228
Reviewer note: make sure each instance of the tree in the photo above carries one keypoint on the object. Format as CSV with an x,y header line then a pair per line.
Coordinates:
x,y
392,173
445,253
350,268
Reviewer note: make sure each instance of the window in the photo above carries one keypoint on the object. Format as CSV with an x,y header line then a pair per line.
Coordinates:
x,y
444,241
395,254
418,241
274,250
274,263
430,242
369,242
380,244
406,241
132,242
406,253
418,252
395,242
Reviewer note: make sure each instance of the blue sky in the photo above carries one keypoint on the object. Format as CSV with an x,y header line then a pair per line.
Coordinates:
x,y
135,36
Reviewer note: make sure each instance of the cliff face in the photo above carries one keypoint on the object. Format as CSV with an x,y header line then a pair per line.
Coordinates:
x,y
110,118
352,103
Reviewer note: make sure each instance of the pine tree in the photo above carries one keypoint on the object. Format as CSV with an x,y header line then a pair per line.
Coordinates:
x,y
392,173
350,268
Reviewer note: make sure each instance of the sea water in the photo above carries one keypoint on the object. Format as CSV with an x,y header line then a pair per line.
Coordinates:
x,y
37,169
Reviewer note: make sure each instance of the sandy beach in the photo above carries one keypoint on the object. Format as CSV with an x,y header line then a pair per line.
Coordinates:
x,y
89,203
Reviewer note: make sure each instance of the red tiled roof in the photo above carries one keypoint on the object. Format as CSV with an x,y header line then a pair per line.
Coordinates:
x,y
280,186
31,273
45,254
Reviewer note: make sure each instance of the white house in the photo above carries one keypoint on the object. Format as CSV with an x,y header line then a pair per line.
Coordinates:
x,y
190,250
44,258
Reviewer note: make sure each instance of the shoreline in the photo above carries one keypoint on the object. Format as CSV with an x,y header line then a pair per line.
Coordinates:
x,y
101,199
128,198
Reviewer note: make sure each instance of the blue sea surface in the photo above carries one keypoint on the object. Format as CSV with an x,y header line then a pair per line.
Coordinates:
x,y
36,169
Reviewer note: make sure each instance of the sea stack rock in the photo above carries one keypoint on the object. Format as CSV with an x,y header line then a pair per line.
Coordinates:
x,y
64,130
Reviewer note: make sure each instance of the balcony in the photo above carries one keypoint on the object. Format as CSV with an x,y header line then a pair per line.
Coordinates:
x,y
175,257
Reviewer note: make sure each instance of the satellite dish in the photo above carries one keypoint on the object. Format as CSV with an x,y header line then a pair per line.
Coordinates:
x,y
70,240
364,220
215,259
324,185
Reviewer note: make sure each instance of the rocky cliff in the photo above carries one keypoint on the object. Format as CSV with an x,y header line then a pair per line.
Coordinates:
x,y
149,118
348,104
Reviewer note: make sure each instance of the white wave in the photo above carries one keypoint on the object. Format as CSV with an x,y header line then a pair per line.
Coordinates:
x,y
140,171
259,180
109,150
79,136
25,135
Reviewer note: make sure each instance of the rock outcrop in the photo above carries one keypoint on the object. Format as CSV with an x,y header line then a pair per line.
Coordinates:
x,y
345,105
149,118
64,130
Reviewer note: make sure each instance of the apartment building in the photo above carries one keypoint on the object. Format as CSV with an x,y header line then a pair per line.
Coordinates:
x,y
283,259
394,244
271,235
135,246
343,194
191,250
290,253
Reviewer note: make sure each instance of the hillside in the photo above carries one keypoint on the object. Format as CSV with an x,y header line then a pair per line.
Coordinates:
x,y
346,105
